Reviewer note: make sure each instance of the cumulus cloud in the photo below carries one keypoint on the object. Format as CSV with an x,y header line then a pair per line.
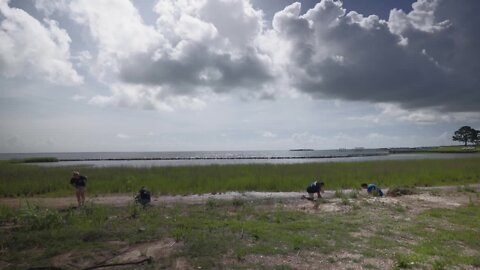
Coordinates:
x,y
49,7
427,58
34,49
208,45
147,98
195,47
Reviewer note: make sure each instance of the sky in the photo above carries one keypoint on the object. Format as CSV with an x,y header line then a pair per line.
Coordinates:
x,y
199,75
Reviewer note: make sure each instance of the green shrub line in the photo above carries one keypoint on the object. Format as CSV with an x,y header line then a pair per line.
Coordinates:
x,y
18,180
451,149
34,160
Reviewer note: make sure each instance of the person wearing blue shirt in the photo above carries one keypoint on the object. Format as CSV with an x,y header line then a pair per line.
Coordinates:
x,y
373,189
315,187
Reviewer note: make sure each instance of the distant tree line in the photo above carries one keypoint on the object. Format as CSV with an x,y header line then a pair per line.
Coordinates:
x,y
466,135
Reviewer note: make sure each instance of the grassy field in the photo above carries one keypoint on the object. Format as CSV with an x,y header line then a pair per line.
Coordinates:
x,y
239,234
18,180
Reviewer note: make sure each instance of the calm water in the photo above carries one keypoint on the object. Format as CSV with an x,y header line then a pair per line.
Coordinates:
x,y
196,155
149,159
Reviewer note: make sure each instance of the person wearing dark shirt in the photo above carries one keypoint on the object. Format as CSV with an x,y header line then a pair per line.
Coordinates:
x,y
80,184
143,197
315,187
373,189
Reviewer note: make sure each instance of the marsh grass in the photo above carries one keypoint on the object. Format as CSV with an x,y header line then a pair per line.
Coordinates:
x,y
18,180
452,149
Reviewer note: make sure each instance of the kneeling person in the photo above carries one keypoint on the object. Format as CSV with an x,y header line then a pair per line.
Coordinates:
x,y
315,187
373,189
143,197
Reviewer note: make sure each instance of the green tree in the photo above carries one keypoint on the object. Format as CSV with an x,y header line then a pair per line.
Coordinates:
x,y
476,137
466,134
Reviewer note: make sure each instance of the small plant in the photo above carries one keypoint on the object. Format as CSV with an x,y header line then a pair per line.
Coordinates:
x,y
345,201
471,202
339,194
179,233
135,210
405,261
6,214
399,208
439,265
353,194
212,204
467,188
238,202
240,253
356,206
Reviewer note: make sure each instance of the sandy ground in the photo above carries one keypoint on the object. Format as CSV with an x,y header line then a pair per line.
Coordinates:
x,y
124,200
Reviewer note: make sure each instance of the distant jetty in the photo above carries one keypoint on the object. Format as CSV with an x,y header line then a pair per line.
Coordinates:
x,y
301,149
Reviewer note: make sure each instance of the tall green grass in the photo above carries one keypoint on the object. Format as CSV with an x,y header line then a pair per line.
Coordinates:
x,y
28,180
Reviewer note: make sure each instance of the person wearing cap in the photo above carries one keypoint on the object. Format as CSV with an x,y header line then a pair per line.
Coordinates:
x,y
80,184
372,189
315,187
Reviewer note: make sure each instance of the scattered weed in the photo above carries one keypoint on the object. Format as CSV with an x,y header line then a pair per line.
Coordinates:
x,y
353,194
339,194
405,261
439,265
467,188
238,202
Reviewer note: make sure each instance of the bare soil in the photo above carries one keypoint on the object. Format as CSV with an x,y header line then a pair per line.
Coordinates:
x,y
426,196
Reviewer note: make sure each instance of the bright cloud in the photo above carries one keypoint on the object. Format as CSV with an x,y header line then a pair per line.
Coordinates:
x,y
415,59
33,49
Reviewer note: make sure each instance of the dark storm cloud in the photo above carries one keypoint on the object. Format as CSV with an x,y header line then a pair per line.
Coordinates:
x,y
198,66
417,60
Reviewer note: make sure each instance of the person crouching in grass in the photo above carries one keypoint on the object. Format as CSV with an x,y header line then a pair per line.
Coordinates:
x,y
315,187
373,189
143,197
80,184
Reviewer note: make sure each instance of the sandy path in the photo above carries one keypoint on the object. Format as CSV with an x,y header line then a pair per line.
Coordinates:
x,y
124,200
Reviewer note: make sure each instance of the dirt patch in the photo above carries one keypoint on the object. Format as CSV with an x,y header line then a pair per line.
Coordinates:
x,y
397,192
80,260
160,252
315,260
417,203
121,200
